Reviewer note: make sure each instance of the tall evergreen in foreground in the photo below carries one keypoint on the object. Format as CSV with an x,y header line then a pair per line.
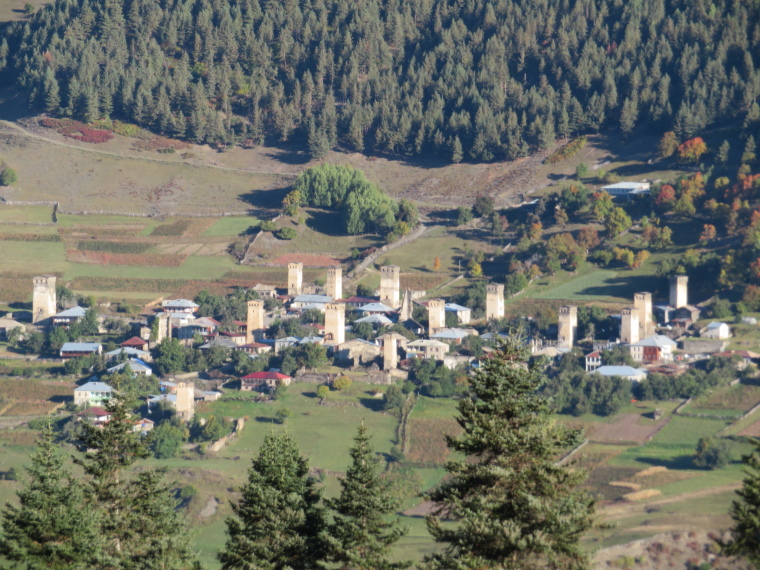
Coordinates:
x,y
138,521
54,526
278,521
361,536
746,512
512,506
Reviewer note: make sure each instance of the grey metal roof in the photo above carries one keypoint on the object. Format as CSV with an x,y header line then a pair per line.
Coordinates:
x,y
179,303
453,307
128,351
135,365
375,318
451,333
624,371
375,308
94,387
657,340
313,299
72,313
80,347
715,325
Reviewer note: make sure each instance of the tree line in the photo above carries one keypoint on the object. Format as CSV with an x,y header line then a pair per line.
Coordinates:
x,y
480,80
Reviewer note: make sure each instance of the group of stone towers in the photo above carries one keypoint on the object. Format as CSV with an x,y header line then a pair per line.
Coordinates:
x,y
636,322
333,286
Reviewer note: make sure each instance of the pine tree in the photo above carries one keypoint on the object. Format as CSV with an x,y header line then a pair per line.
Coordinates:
x,y
54,526
360,536
514,507
746,512
278,521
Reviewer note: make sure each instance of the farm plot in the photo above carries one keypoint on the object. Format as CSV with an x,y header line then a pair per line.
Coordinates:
x,y
626,428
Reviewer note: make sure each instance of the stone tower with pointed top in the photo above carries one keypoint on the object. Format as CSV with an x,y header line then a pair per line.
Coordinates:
x,y
406,311
44,302
494,301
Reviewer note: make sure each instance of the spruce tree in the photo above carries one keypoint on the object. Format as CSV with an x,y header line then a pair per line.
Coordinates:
x,y
513,507
746,512
137,521
54,525
278,521
360,535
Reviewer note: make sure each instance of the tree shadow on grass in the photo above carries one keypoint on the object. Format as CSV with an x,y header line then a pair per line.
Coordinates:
x,y
271,198
677,462
266,420
374,404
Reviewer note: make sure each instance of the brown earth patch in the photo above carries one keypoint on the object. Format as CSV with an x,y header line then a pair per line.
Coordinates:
x,y
30,409
421,281
752,431
309,260
108,258
625,428
427,443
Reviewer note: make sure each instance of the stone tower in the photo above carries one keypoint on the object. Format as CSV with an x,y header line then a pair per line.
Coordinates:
x,y
390,285
629,325
643,302
254,330
436,315
568,325
407,309
44,303
679,291
185,405
494,301
334,286
335,323
164,327
295,278
390,352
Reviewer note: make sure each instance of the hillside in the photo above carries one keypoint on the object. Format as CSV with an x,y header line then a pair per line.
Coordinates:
x,y
479,80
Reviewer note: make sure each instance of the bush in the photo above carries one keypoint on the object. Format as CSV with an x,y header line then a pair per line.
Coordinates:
x,y
342,383
711,453
286,233
322,392
566,151
8,177
268,226
282,415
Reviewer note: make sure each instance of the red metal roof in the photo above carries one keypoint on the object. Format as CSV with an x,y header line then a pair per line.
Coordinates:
x,y
134,341
265,376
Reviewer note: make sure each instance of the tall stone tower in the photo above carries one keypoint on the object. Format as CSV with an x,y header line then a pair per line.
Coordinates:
x,y
629,325
390,352
254,330
643,302
494,301
679,291
334,286
390,285
44,304
567,326
295,278
164,327
335,323
185,405
407,310
436,315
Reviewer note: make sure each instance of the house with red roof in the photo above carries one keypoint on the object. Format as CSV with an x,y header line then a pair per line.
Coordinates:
x,y
593,361
264,380
135,342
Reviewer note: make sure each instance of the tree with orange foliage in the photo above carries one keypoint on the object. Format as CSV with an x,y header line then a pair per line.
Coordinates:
x,y
535,231
666,197
692,150
640,258
709,233
588,238
436,264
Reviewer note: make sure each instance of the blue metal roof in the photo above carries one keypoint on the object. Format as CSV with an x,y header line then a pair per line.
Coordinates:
x,y
80,347
94,387
72,313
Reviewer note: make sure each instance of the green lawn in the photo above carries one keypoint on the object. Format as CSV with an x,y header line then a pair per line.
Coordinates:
x,y
29,214
230,226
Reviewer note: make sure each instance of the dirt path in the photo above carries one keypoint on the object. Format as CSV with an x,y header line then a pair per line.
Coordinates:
x,y
622,510
23,132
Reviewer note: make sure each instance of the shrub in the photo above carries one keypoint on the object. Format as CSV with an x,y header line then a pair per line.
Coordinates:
x,y
286,233
268,226
566,151
342,383
8,177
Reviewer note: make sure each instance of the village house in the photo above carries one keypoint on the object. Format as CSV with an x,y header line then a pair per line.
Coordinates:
x,y
375,308
354,302
375,319
236,337
264,380
8,324
95,415
74,349
463,314
203,326
652,349
92,394
357,352
179,306
427,348
453,335
254,348
716,330
129,352
306,302
138,367
593,360
264,291
142,426
66,318
135,342
627,189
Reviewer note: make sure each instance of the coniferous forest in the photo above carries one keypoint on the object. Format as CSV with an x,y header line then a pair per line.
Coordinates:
x,y
479,80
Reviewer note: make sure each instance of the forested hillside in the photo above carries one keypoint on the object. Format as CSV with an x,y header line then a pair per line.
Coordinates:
x,y
479,80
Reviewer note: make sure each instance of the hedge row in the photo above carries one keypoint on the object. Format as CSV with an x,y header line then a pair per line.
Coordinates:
x,y
174,229
566,151
113,246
